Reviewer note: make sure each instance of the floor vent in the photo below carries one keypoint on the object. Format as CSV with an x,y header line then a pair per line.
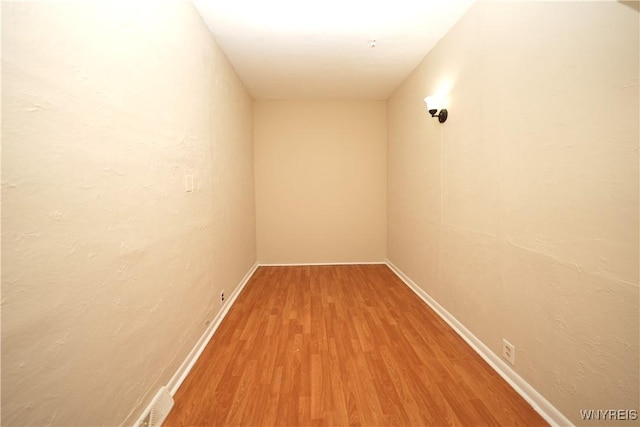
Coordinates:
x,y
158,410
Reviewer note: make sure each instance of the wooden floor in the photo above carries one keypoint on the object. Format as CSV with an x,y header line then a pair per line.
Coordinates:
x,y
340,345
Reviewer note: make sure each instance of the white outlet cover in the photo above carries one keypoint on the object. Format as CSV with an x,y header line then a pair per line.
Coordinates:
x,y
509,352
188,183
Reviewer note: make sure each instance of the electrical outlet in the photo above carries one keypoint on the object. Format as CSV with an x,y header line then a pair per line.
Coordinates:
x,y
508,351
222,297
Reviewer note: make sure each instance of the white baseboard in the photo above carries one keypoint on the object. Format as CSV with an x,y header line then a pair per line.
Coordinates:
x,y
541,405
302,264
185,368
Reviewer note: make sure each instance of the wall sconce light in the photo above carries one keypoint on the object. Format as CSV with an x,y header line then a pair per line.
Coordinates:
x,y
433,105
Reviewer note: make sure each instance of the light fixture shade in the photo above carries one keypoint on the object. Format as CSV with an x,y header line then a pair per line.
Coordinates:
x,y
433,103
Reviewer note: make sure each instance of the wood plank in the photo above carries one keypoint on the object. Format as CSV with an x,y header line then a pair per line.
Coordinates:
x,y
340,345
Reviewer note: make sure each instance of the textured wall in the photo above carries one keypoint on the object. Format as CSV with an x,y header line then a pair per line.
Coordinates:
x,y
320,181
520,214
110,269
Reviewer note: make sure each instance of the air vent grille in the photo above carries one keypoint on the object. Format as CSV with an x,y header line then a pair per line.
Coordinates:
x,y
158,409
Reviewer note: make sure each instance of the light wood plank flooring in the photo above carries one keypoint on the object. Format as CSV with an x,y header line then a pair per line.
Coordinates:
x,y
337,346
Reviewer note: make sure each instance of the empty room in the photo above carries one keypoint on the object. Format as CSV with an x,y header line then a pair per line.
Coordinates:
x,y
408,213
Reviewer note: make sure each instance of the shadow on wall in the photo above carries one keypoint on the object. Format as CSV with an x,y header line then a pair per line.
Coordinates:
x,y
635,5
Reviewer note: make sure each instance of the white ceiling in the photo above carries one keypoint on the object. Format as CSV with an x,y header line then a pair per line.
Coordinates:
x,y
302,49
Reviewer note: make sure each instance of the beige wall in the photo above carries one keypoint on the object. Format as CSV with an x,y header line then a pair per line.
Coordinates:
x,y
520,214
110,269
320,181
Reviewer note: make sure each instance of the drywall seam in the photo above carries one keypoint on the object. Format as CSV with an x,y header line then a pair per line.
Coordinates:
x,y
302,264
185,368
541,405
